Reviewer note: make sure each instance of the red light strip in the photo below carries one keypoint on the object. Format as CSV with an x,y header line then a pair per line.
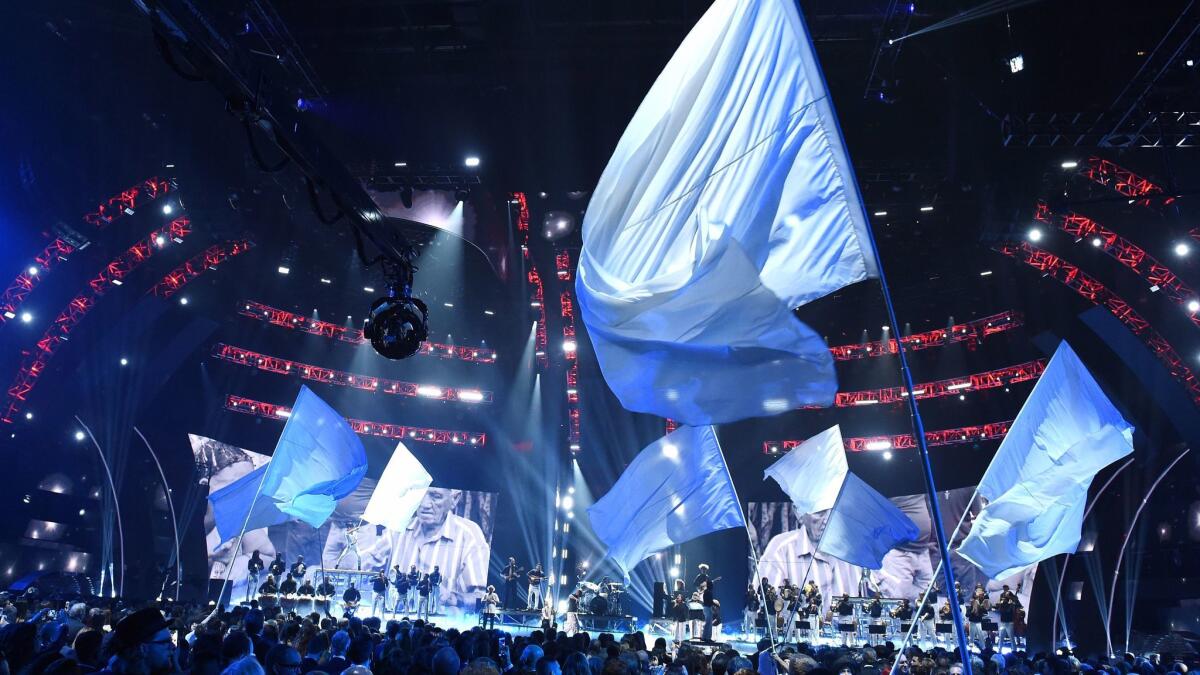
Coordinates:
x,y
971,332
1098,294
286,319
567,305
992,379
1125,252
249,406
60,248
306,371
983,432
60,331
1123,181
199,264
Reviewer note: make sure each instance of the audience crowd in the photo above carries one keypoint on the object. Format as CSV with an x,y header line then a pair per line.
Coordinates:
x,y
104,637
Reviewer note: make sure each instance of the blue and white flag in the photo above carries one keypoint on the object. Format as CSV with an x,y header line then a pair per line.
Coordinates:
x,y
676,489
1036,486
399,492
864,525
729,201
812,473
317,461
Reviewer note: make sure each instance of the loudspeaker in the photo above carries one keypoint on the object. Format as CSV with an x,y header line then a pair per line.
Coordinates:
x,y
660,599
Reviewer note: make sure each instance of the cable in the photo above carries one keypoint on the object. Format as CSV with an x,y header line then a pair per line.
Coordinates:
x,y
315,200
258,158
164,50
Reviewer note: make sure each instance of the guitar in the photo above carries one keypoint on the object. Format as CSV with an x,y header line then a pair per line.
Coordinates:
x,y
520,571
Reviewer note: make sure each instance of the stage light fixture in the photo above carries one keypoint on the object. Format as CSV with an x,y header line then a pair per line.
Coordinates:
x,y
461,195
568,503
881,213
882,444
398,324
160,241
369,289
489,312
670,450
887,454
429,391
558,224
33,270
400,165
1035,234
1182,249
406,196
926,209
674,572
985,273
124,361
569,346
1193,306
326,281
26,317
1097,242
1016,63
470,395
471,162
79,436
284,269
28,415
183,300
167,209
1069,164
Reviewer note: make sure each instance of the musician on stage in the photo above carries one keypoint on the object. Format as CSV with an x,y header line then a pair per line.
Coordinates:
x,y
812,608
926,617
977,612
1007,606
268,587
299,569
769,596
904,613
435,590
511,573
277,566
875,612
533,595
679,613
423,590
572,623
350,600
946,614
751,609
400,581
414,596
379,587
325,591
287,590
491,608
710,609
254,567
845,612
549,623
306,589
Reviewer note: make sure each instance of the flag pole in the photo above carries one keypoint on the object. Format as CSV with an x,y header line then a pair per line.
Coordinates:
x,y
749,537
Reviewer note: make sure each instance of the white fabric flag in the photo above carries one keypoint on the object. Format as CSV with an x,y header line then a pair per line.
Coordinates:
x,y
864,526
812,473
399,492
729,201
1036,486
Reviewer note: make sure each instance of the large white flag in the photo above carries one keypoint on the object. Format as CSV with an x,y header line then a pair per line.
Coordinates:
x,y
864,526
399,492
1036,486
812,473
729,201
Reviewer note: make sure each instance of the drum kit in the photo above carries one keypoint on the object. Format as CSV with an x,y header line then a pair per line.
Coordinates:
x,y
601,599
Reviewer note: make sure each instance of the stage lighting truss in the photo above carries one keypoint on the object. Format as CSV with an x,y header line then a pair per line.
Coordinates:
x,y
992,379
537,301
971,332
115,207
972,434
293,321
566,303
1091,289
562,265
248,406
64,324
306,371
1121,180
1159,277
200,263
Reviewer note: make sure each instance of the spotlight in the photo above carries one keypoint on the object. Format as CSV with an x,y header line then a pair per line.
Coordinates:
x,y
674,572
1193,306
28,415
1035,234
326,281
881,213
462,194
569,346
124,361
26,317
183,300
33,270
1182,249
471,162
882,444
1016,63
397,325
558,224
284,269
568,503
669,450
160,241
167,209
1097,242
926,209
406,197
79,436
887,454
400,165
1069,164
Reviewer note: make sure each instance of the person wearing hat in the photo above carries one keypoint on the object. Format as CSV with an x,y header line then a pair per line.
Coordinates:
x,y
1007,607
141,645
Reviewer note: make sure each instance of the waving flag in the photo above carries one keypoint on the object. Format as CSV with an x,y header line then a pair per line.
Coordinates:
x,y
317,461
729,201
812,473
676,489
1036,486
864,525
399,492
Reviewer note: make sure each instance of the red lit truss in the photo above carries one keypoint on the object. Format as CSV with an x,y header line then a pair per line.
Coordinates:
x,y
1098,294
199,264
1125,252
1121,180
286,319
982,432
306,371
64,325
992,379
971,332
566,303
58,250
537,290
248,406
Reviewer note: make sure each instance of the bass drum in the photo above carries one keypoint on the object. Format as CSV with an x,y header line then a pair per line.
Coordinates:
x,y
598,605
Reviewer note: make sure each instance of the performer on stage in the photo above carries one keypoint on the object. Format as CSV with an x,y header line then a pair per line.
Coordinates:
x,y
414,592
904,613
511,573
435,590
306,588
977,611
845,612
709,603
423,590
350,600
572,623
277,566
533,595
268,587
325,591
679,613
926,617
491,608
287,592
299,569
254,567
549,622
945,613
400,581
1007,606
751,609
379,588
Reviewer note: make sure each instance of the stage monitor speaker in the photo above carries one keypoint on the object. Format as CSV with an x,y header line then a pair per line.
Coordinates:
x,y
660,599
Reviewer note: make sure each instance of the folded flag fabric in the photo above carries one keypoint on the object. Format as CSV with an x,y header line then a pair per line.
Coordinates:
x,y
317,461
812,473
864,525
729,201
1036,486
399,491
676,489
